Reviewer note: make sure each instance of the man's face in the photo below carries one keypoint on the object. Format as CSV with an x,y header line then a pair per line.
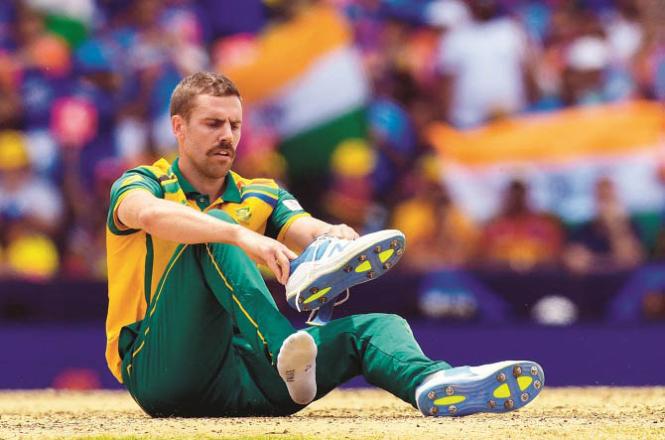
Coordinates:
x,y
209,138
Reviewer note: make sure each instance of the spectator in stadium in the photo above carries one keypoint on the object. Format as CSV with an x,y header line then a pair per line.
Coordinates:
x,y
489,43
584,77
624,31
155,60
392,131
10,102
23,195
649,63
438,233
609,241
45,68
30,213
84,116
519,237
84,255
115,62
349,197
3,264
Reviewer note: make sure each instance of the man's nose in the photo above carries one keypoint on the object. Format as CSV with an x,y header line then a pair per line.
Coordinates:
x,y
226,133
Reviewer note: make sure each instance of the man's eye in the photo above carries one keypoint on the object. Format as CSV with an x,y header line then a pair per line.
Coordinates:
x,y
235,126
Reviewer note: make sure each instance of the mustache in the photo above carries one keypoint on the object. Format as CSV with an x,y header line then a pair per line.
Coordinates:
x,y
223,147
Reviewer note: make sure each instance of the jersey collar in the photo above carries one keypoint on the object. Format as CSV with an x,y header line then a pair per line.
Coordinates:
x,y
231,193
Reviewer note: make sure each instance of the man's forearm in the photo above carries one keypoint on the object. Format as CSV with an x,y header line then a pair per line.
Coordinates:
x,y
174,222
180,223
304,230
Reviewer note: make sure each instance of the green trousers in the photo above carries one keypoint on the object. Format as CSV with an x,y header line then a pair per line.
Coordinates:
x,y
208,344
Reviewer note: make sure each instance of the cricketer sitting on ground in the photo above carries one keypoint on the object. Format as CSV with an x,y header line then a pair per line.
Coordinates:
x,y
192,329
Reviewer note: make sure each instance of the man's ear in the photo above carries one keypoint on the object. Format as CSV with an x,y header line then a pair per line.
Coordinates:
x,y
177,125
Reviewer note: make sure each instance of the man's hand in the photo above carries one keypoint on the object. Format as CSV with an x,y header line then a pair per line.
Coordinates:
x,y
305,230
266,251
342,231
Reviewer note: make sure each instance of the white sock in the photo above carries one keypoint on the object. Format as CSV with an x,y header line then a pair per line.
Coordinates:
x,y
296,364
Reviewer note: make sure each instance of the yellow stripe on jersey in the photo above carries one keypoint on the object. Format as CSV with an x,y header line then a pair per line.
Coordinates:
x,y
249,190
131,179
287,225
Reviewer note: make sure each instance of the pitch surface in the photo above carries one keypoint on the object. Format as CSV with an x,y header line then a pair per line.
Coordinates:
x,y
630,413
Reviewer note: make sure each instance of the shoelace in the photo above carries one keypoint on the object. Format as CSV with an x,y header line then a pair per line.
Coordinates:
x,y
320,241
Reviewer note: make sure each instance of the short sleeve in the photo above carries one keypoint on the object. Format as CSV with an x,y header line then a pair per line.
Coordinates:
x,y
131,180
286,211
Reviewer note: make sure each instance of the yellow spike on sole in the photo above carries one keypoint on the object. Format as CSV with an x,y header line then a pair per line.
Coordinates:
x,y
524,382
502,391
383,256
317,295
449,400
364,267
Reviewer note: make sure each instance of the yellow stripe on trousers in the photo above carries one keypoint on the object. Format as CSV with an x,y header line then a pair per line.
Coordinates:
x,y
235,298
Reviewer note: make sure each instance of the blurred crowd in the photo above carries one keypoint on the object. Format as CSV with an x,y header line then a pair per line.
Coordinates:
x,y
85,86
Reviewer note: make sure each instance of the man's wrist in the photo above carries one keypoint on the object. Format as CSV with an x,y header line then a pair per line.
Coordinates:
x,y
232,234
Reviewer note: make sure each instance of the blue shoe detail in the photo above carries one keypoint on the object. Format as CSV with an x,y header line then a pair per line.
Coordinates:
x,y
494,388
330,266
321,316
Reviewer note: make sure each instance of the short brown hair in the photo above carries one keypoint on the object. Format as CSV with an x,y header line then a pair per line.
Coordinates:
x,y
200,83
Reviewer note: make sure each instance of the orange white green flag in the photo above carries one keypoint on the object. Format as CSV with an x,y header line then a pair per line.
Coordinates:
x,y
307,76
560,155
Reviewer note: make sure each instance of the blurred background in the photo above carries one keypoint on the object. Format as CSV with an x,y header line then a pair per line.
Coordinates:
x,y
518,144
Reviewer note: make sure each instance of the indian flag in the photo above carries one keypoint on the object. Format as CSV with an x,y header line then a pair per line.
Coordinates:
x,y
307,76
560,155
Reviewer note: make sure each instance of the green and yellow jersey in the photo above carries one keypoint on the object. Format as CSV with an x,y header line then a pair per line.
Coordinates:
x,y
137,260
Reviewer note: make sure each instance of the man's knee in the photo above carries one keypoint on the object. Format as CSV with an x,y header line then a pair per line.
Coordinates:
x,y
225,217
223,251
388,320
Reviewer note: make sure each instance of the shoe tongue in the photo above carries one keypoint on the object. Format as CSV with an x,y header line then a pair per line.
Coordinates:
x,y
315,250
323,245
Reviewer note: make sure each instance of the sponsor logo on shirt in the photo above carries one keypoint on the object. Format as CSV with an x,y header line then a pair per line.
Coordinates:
x,y
293,205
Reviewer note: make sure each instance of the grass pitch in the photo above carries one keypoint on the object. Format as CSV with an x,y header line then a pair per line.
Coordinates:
x,y
574,413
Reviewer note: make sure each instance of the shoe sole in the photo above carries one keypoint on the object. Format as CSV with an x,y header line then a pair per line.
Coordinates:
x,y
510,386
373,256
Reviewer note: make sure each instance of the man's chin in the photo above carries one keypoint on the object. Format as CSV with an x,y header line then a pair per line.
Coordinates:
x,y
218,170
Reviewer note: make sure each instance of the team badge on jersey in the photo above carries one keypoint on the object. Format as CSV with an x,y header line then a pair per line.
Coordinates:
x,y
244,214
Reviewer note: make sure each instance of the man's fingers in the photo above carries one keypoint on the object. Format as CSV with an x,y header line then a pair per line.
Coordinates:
x,y
274,266
290,254
343,231
283,263
349,233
